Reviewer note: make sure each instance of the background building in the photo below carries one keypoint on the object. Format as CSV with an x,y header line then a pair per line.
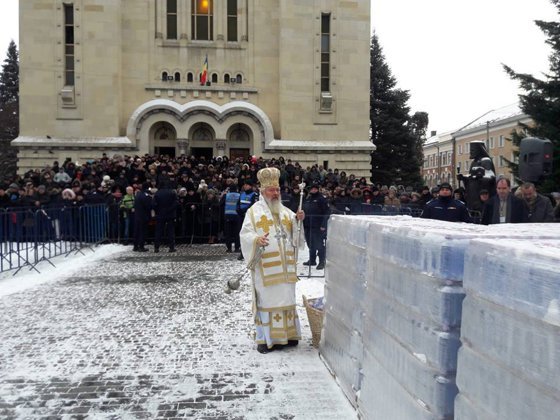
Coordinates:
x,y
494,128
203,77
438,157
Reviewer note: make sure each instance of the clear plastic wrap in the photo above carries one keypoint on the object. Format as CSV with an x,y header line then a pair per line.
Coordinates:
x,y
383,398
519,274
412,372
417,333
344,292
500,392
342,349
467,410
396,284
440,300
527,346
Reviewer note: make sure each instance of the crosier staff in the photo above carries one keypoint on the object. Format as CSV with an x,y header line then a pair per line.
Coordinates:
x,y
300,207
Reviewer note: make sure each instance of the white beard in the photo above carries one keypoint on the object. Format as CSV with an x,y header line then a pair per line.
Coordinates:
x,y
273,205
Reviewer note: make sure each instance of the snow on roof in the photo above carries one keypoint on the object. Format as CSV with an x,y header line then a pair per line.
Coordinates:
x,y
494,115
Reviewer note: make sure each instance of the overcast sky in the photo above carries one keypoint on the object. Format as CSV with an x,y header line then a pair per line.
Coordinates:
x,y
447,53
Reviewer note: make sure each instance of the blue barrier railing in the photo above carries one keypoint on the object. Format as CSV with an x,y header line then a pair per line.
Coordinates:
x,y
29,236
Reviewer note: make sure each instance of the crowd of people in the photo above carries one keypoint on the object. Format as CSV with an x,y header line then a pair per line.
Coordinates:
x,y
201,188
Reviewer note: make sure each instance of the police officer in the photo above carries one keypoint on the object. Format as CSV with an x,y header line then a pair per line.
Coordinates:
x,y
231,218
247,198
446,208
316,208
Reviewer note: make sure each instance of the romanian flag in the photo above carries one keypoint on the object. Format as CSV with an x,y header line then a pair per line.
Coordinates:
x,y
204,73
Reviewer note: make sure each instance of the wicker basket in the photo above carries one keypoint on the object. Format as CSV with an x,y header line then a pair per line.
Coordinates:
x,y
315,317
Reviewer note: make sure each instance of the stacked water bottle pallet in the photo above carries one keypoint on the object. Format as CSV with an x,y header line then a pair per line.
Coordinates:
x,y
394,300
509,365
412,318
345,283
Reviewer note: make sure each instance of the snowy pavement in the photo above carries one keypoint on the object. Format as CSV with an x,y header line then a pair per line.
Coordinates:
x,y
124,335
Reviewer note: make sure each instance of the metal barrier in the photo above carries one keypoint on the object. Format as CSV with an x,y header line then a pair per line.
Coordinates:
x,y
29,236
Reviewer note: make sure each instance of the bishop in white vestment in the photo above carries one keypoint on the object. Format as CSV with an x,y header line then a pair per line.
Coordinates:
x,y
269,237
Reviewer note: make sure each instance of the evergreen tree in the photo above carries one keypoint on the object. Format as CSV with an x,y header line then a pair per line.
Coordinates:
x,y
542,102
9,95
397,136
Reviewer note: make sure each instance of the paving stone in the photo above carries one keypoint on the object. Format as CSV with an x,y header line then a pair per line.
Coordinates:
x,y
142,336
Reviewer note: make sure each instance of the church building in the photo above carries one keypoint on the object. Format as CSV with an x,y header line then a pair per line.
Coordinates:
x,y
203,77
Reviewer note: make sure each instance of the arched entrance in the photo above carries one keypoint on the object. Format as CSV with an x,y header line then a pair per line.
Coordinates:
x,y
239,139
201,128
202,143
164,139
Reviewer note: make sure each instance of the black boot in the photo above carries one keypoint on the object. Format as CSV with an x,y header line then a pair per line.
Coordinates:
x,y
292,343
311,263
321,265
263,348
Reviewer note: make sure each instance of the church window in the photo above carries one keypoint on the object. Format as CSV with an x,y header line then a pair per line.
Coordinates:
x,y
325,51
69,45
202,20
239,133
214,77
171,19
202,134
190,77
177,77
164,76
226,78
239,79
232,20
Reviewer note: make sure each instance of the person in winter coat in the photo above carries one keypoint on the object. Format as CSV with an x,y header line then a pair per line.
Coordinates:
x,y
142,214
165,207
446,208
316,209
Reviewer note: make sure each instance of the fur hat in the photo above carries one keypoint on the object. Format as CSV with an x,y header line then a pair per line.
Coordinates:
x,y
68,193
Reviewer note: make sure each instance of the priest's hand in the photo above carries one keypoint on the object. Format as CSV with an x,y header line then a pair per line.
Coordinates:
x,y
300,215
263,240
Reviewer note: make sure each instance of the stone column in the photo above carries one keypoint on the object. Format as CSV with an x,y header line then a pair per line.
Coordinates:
x,y
183,146
220,147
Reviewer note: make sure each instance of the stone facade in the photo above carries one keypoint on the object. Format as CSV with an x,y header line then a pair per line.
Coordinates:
x,y
136,80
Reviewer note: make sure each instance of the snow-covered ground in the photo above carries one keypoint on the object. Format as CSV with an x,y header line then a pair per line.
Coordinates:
x,y
117,334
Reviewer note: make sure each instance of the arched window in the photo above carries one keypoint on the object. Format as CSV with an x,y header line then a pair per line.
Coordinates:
x,y
239,79
164,76
214,77
189,77
239,133
202,134
177,76
226,78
